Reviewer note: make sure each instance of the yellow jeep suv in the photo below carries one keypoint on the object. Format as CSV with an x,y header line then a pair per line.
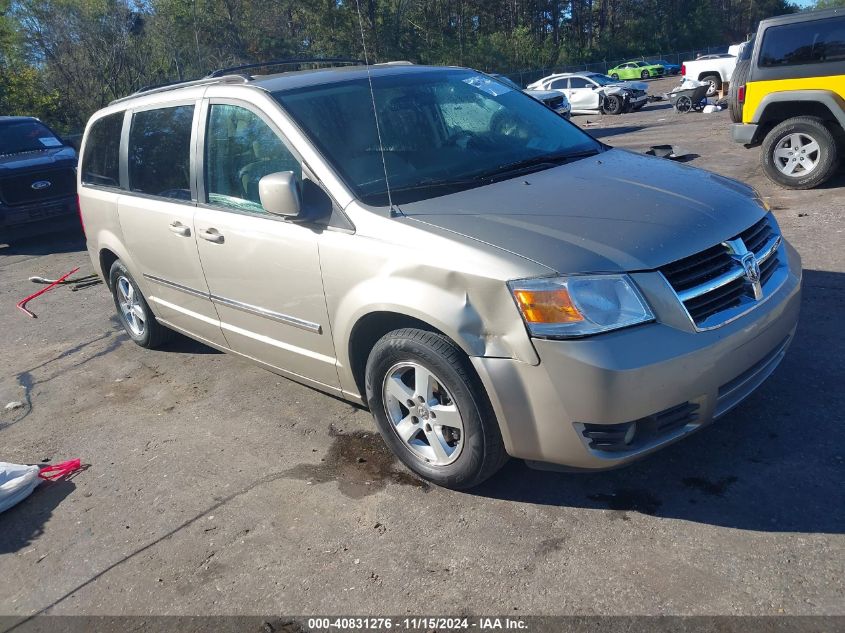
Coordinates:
x,y
788,93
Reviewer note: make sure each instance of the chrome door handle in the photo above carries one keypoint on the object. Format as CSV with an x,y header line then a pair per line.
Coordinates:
x,y
211,235
180,229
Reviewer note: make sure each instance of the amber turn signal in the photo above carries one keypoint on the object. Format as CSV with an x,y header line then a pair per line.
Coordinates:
x,y
547,306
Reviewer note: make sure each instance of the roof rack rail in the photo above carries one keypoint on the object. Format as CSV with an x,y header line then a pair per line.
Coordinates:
x,y
230,78
285,62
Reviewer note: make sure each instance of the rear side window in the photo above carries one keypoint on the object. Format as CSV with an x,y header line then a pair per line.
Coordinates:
x,y
160,152
101,162
814,42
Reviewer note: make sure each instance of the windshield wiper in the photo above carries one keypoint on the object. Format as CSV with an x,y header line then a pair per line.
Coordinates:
x,y
538,161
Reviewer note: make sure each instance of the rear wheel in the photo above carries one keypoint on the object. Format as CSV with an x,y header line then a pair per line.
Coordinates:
x,y
738,79
133,311
644,75
715,84
800,153
431,409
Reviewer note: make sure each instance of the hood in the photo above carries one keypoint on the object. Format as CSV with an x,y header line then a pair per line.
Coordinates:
x,y
615,212
38,159
631,85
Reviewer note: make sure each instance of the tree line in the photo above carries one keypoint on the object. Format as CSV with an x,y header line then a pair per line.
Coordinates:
x,y
63,59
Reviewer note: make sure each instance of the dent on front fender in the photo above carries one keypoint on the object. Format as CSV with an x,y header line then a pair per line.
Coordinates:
x,y
455,287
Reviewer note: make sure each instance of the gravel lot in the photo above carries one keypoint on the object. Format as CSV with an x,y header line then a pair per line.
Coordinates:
x,y
215,487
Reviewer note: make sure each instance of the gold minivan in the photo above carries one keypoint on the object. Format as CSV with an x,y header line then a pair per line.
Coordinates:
x,y
431,243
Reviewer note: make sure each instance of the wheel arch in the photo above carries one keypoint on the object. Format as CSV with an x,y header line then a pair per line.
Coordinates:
x,y
370,327
776,107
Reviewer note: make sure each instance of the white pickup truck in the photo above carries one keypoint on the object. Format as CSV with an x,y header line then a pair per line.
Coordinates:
x,y
714,69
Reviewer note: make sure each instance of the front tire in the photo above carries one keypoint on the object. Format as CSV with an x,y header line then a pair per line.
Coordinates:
x,y
645,75
432,410
800,153
615,77
614,104
133,311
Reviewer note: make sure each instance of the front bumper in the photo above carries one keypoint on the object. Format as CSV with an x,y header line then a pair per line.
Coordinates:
x,y
37,218
638,374
745,133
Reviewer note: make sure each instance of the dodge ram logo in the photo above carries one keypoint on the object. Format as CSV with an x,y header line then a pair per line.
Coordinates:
x,y
39,185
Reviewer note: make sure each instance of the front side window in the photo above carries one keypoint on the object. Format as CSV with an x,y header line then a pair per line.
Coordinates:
x,y
577,82
101,161
160,152
441,131
240,149
27,135
812,42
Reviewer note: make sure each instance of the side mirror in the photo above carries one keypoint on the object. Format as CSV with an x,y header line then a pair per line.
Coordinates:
x,y
279,194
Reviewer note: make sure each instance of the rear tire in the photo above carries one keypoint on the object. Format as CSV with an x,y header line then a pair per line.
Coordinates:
x,y
737,79
449,435
800,153
715,84
133,311
645,75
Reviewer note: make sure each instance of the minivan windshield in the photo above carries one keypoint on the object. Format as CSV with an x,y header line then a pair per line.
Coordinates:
x,y
442,131
25,136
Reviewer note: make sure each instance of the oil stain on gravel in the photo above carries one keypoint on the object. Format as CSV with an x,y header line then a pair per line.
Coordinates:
x,y
629,499
360,463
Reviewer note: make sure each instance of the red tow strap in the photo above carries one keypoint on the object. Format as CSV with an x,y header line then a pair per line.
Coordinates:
x,y
22,304
55,471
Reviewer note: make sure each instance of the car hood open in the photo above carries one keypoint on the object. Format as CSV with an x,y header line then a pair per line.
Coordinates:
x,y
613,212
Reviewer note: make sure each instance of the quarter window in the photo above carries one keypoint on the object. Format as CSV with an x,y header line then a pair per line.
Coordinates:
x,y
813,42
240,149
160,152
101,161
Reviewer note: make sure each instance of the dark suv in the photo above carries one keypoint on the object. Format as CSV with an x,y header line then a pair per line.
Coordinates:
x,y
37,179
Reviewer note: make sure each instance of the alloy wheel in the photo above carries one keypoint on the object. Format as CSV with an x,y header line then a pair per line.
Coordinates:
x,y
423,413
130,306
796,155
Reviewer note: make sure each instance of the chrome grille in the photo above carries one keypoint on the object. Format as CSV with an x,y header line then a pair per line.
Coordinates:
x,y
724,281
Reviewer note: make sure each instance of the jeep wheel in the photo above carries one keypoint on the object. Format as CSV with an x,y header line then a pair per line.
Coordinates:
x,y
614,104
715,84
800,153
431,409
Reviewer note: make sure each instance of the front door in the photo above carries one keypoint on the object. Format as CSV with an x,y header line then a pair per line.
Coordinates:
x,y
157,217
581,94
263,271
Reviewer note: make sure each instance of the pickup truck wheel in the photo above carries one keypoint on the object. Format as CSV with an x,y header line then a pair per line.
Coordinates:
x,y
133,311
800,153
614,104
715,84
431,409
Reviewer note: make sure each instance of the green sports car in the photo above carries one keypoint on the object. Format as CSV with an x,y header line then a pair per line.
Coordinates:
x,y
636,70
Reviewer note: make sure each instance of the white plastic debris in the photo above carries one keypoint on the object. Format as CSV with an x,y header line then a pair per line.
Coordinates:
x,y
710,109
16,483
15,404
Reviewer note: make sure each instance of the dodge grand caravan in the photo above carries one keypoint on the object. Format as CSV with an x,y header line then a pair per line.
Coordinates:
x,y
487,278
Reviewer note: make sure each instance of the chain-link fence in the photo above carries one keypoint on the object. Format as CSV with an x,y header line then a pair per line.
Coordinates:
x,y
525,77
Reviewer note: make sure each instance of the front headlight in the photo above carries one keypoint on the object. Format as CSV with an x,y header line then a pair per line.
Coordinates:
x,y
579,305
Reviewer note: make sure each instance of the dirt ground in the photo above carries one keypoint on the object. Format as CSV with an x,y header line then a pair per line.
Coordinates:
x,y
214,487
